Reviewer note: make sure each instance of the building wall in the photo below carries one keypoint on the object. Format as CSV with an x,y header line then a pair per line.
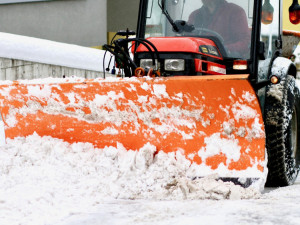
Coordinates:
x,y
81,22
122,14
14,69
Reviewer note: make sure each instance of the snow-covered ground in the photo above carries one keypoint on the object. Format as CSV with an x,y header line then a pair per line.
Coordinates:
x,y
48,181
279,206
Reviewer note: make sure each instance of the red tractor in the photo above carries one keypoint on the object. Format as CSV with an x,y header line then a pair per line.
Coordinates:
x,y
225,39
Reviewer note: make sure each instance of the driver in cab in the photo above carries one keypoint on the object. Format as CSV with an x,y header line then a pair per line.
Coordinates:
x,y
227,19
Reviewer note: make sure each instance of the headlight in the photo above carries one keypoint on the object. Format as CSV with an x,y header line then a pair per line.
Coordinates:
x,y
174,64
148,63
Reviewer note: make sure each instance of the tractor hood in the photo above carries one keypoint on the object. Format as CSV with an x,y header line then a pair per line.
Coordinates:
x,y
204,46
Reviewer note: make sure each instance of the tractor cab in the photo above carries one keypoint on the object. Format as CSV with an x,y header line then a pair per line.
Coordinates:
x,y
204,37
198,37
210,37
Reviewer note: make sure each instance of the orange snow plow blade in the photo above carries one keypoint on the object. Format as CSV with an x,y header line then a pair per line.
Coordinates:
x,y
215,121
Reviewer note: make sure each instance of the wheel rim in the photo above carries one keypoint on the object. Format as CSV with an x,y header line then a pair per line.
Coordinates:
x,y
294,133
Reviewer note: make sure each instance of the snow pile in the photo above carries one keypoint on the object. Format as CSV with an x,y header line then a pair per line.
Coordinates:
x,y
51,52
44,180
298,83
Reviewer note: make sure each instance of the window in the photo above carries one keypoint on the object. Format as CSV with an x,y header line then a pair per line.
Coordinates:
x,y
270,31
230,24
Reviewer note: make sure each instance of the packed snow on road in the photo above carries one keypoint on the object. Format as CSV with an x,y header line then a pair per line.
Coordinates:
x,y
46,181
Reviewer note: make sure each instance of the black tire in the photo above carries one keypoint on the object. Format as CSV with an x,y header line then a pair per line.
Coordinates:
x,y
282,110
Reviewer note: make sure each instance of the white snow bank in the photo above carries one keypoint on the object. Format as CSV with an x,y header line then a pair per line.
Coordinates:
x,y
298,83
44,180
51,52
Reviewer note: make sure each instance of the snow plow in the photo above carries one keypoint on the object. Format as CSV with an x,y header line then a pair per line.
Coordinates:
x,y
202,82
172,114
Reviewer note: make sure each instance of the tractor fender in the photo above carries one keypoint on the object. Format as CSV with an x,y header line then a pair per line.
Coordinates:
x,y
282,67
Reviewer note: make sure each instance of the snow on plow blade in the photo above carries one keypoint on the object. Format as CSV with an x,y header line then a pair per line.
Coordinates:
x,y
215,121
